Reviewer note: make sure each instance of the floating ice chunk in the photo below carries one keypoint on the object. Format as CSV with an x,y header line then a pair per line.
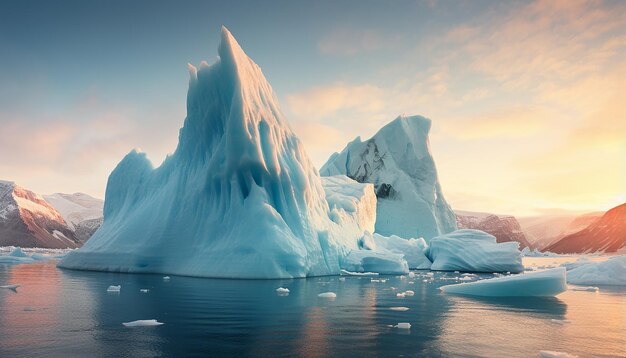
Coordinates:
x,y
560,321
411,249
351,273
375,261
143,323
473,251
327,295
409,293
144,290
403,325
166,278
411,274
610,272
401,309
553,354
282,291
544,284
17,252
583,288
114,289
400,295
466,278
10,287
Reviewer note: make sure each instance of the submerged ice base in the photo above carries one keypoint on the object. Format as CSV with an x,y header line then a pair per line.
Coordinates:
x,y
537,284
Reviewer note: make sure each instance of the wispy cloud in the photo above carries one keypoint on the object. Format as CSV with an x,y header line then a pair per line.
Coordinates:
x,y
349,41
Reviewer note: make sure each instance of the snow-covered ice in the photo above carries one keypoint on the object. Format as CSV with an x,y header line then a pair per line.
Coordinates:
x,y
611,272
543,284
473,251
327,295
239,197
282,291
143,323
398,161
401,309
403,325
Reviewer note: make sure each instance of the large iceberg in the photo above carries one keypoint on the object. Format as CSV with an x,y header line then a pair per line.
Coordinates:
x,y
611,272
352,204
238,198
538,284
398,161
473,251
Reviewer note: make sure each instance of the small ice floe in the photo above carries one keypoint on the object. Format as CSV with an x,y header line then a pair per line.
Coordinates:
x,y
583,288
430,274
403,325
560,321
327,295
114,289
10,287
411,274
457,271
401,309
374,280
143,323
400,295
555,354
411,282
466,278
468,275
409,293
144,290
166,278
350,273
282,291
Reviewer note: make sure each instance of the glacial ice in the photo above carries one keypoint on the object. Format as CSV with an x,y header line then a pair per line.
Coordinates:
x,y
542,284
473,251
143,323
239,197
611,272
350,203
398,161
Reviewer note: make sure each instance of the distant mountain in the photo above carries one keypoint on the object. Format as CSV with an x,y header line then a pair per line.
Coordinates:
x,y
542,231
606,234
82,212
27,220
504,227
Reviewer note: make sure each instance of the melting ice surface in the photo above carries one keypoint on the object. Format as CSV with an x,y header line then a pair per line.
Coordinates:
x,y
61,313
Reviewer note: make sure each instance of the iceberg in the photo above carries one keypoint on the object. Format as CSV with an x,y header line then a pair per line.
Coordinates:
x,y
350,203
238,198
412,249
399,162
368,261
330,295
547,283
611,272
473,251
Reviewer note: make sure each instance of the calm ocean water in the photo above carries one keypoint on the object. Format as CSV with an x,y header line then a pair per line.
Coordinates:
x,y
63,313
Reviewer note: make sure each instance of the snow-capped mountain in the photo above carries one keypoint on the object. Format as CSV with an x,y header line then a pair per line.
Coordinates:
x,y
606,234
27,220
504,227
82,212
543,230
399,162
238,198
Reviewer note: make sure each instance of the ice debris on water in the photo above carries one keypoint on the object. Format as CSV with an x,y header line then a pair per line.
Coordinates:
x,y
144,290
282,291
143,323
114,289
403,325
401,309
327,295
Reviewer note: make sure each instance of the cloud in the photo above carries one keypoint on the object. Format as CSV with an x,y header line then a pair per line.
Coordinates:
x,y
346,41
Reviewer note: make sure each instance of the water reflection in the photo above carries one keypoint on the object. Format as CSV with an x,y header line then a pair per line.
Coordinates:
x,y
74,316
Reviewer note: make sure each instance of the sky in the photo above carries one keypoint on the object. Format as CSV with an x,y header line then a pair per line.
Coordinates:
x,y
527,98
